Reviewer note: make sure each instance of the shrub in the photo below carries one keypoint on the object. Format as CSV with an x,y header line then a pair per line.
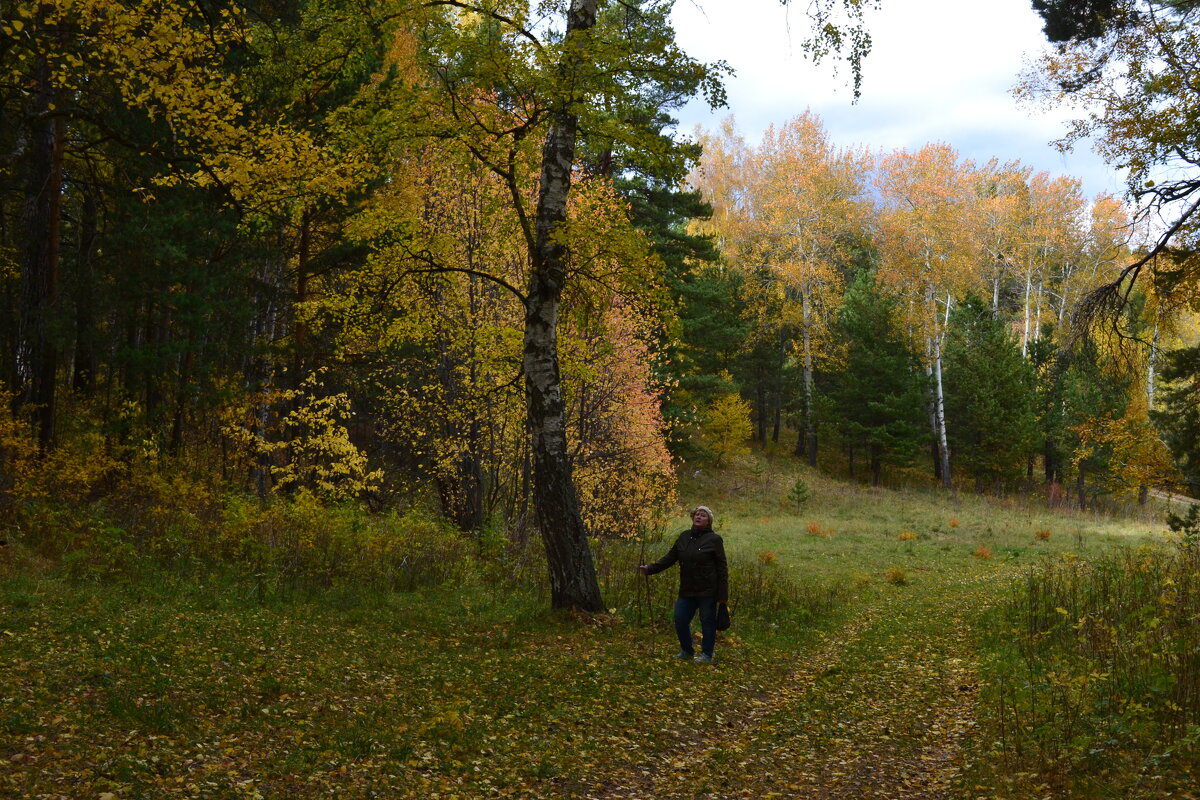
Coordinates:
x,y
1085,678
728,428
303,544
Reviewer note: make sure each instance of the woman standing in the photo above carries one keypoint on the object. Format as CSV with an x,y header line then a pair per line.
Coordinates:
x,y
703,582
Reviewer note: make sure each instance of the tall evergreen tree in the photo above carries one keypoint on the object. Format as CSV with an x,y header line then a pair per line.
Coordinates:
x,y
989,397
1178,418
879,395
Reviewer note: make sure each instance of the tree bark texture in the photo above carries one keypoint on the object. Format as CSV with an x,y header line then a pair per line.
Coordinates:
x,y
939,395
940,413
931,410
810,426
83,378
1151,373
573,581
760,413
37,355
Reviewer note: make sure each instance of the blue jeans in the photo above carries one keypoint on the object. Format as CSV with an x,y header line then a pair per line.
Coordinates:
x,y
685,609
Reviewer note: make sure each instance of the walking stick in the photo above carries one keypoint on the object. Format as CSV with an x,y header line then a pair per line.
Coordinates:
x,y
646,578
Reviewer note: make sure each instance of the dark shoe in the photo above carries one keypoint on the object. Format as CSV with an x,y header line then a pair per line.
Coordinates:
x,y
704,658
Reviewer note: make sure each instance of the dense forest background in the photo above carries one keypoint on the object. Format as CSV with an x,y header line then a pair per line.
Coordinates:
x,y
309,253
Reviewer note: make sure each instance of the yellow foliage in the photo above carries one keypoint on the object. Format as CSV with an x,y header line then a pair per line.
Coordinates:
x,y
66,474
302,436
616,433
1138,457
18,449
727,431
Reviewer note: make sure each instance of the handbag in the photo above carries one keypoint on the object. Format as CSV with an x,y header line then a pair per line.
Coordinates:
x,y
723,621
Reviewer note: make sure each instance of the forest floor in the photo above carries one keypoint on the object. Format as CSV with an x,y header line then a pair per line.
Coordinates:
x,y
192,689
879,707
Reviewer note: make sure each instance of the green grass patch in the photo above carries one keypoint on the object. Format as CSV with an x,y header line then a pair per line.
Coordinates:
x,y
298,666
160,694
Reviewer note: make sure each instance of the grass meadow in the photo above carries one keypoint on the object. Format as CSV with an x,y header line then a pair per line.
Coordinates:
x,y
886,643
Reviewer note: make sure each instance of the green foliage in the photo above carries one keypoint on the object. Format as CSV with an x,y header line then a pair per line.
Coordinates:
x,y
1129,67
1064,21
376,692
1187,526
989,397
305,546
879,393
799,494
331,651
1087,684
1076,390
703,344
1176,417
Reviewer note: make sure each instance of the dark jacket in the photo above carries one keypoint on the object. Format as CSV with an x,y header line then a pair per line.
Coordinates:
x,y
703,571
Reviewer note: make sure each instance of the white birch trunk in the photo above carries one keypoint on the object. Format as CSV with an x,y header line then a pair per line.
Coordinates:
x,y
1150,373
1025,334
810,435
1037,325
939,408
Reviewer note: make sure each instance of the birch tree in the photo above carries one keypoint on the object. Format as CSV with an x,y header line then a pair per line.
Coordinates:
x,y
1003,195
929,250
1128,71
509,75
811,211
1050,247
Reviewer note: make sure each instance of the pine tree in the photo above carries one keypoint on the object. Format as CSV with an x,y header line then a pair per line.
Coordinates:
x,y
1178,418
879,395
989,397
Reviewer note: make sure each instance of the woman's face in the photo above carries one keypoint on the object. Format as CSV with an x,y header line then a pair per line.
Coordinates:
x,y
700,518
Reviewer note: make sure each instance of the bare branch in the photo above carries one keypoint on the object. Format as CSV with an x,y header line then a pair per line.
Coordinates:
x,y
435,268
493,14
1106,303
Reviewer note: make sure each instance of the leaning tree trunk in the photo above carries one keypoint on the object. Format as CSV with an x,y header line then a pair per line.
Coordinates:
x,y
939,398
573,581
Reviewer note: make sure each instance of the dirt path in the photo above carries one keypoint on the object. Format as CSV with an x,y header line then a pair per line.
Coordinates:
x,y
1169,498
880,708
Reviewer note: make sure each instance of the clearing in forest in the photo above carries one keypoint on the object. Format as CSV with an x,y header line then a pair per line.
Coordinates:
x,y
166,687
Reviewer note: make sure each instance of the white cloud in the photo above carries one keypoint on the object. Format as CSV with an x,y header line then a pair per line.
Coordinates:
x,y
939,71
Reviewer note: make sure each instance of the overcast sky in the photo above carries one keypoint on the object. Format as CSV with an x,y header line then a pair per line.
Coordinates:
x,y
939,71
